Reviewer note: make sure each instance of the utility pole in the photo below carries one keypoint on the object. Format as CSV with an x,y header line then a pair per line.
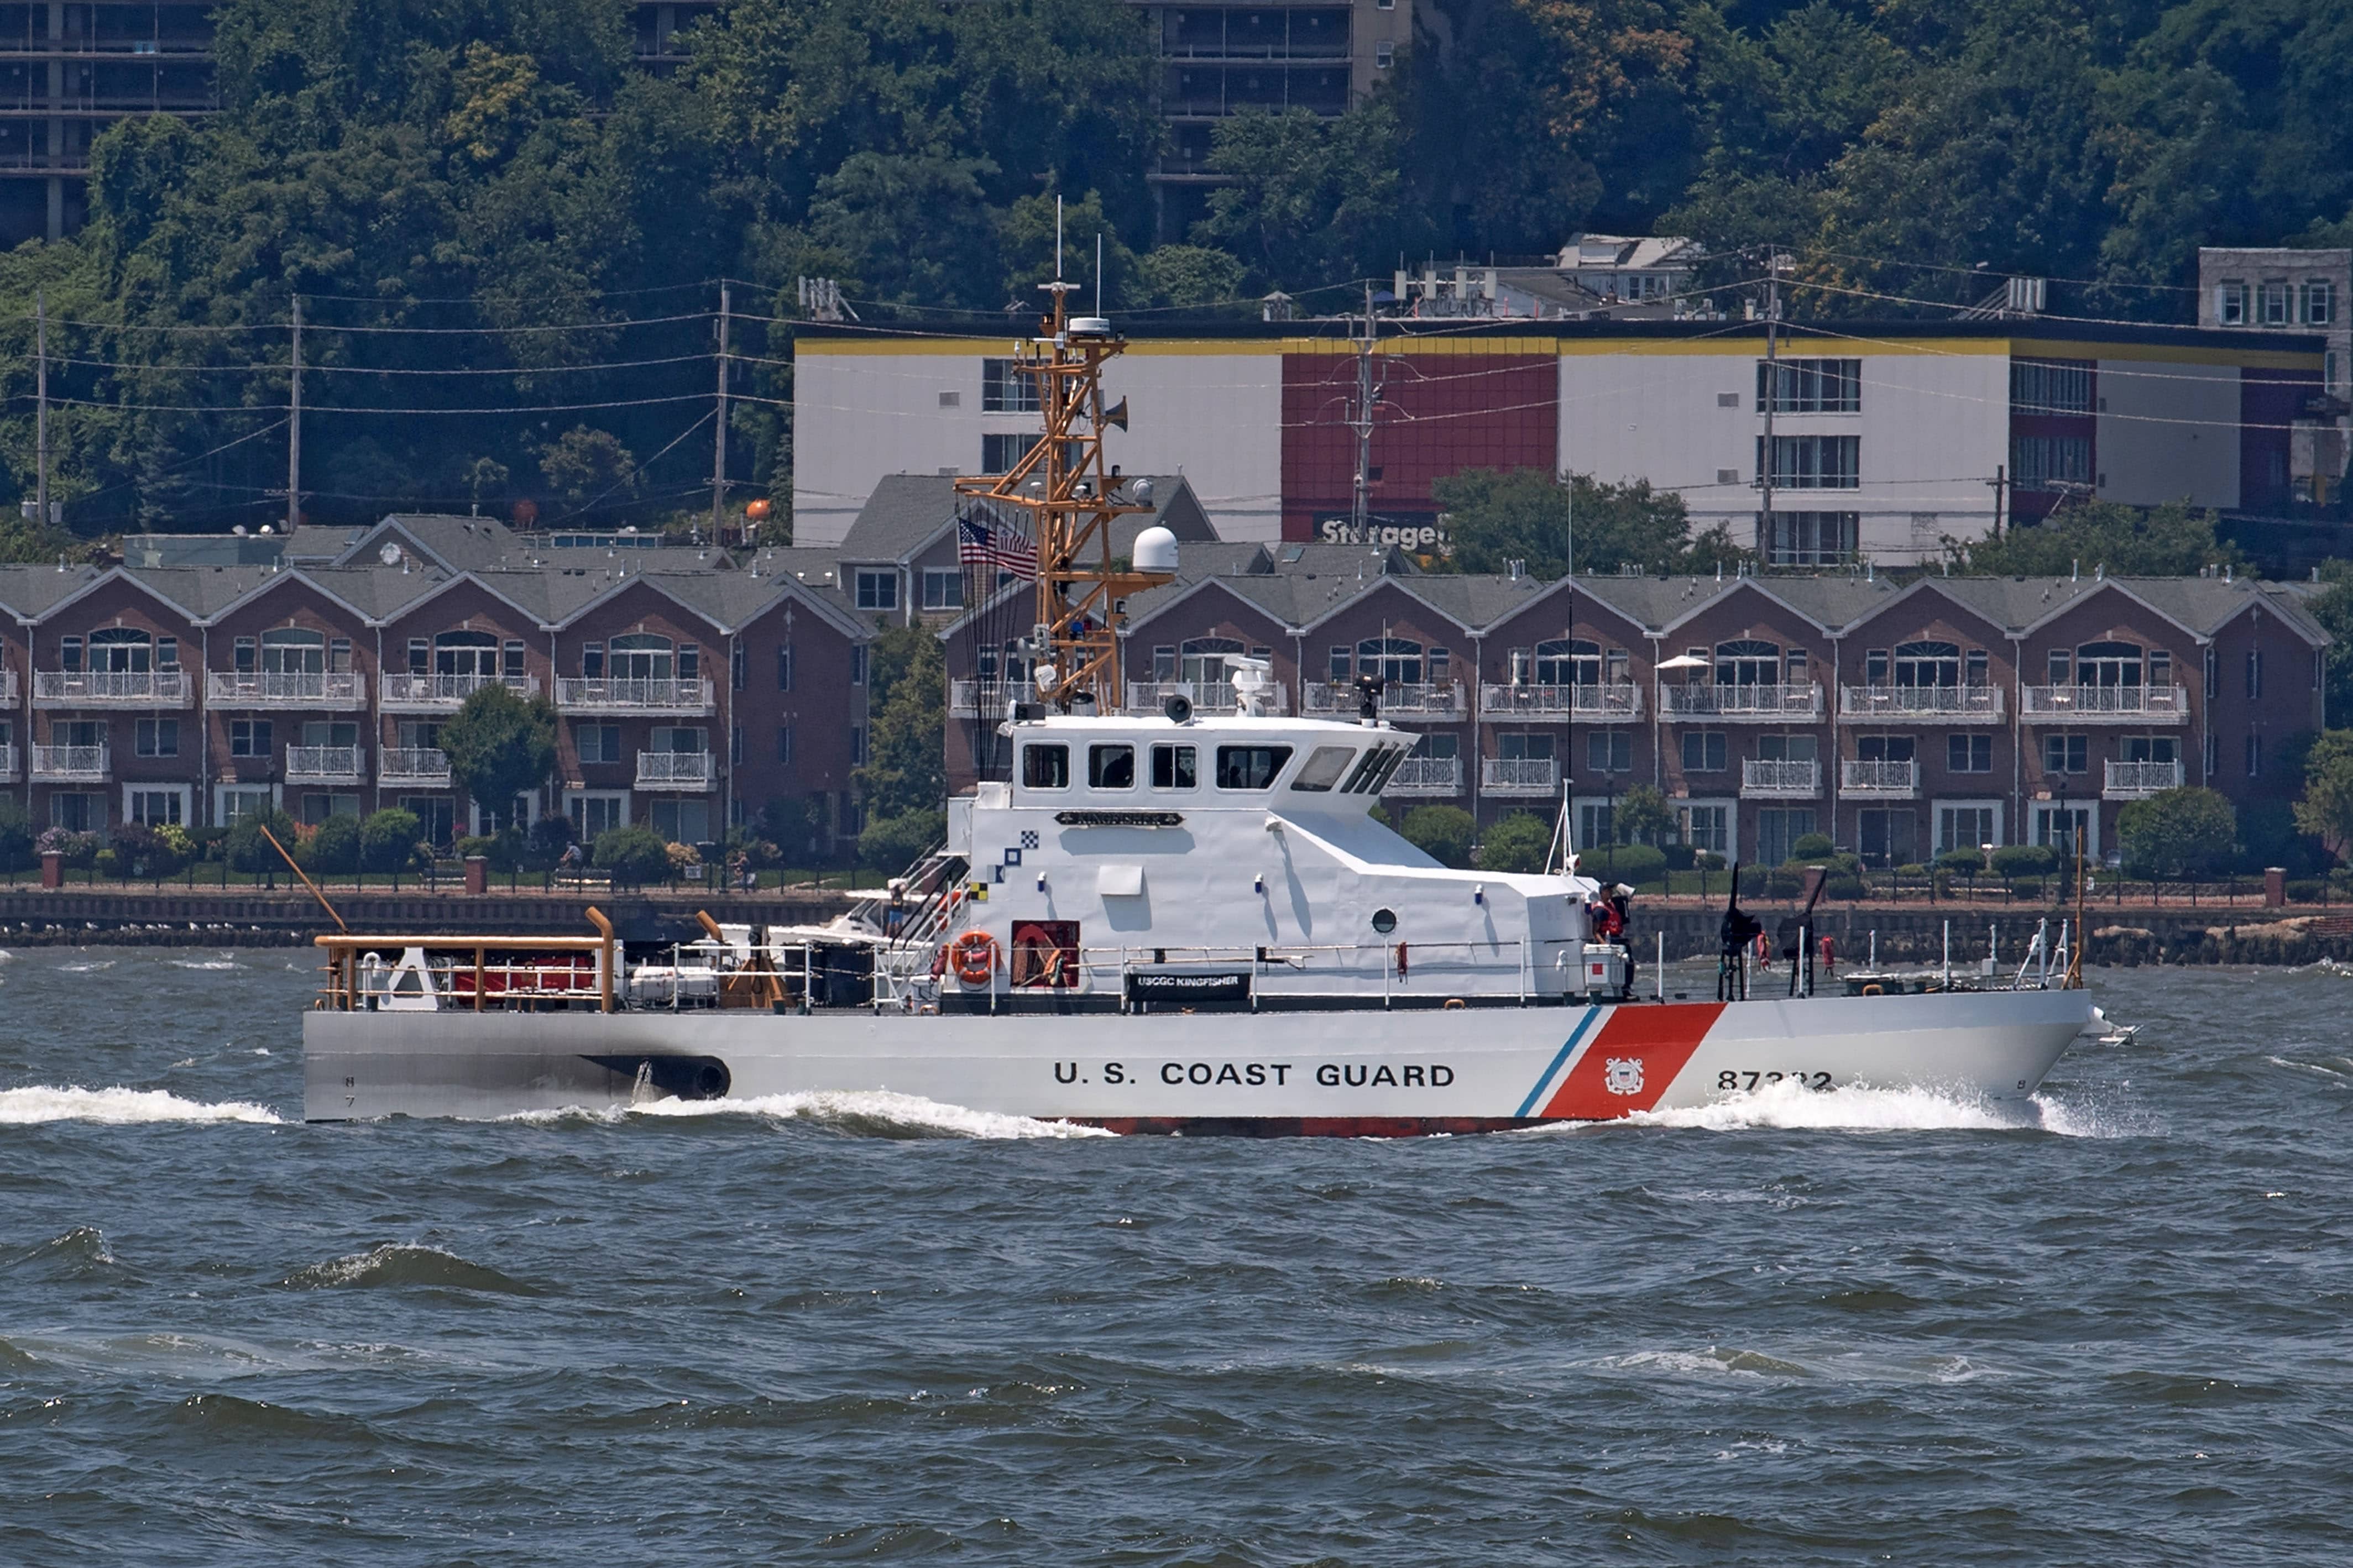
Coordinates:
x,y
1772,397
294,426
719,440
1368,393
41,405
2000,483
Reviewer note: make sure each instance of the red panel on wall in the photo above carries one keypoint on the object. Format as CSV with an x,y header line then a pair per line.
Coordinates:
x,y
1439,412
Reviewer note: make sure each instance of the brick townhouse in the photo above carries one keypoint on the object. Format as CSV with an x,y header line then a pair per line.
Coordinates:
x,y
692,687
1903,720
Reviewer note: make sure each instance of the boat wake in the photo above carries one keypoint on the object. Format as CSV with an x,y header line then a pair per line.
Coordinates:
x,y
877,1114
40,1102
866,1114
1855,1107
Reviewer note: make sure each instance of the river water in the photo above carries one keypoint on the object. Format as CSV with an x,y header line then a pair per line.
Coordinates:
x,y
1820,1329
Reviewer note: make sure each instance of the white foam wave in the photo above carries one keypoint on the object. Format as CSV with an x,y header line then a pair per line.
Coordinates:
x,y
40,1102
1854,1107
203,964
874,1106
91,968
877,1110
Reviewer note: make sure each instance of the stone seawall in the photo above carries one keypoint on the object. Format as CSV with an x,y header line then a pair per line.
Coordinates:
x,y
78,915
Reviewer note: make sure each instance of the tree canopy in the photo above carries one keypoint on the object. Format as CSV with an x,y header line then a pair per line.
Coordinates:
x,y
2171,541
501,744
2178,833
507,238
1498,516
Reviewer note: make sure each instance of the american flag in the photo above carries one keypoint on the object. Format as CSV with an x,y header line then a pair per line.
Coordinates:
x,y
978,544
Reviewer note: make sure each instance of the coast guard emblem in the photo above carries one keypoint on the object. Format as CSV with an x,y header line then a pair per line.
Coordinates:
x,y
1622,1075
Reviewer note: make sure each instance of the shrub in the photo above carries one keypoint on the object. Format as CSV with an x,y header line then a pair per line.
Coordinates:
x,y
1842,885
78,848
334,848
472,843
392,840
249,851
633,854
549,837
1680,857
1813,846
682,855
15,837
1634,863
1962,861
1518,843
143,851
891,844
2180,833
2305,889
2014,862
1441,832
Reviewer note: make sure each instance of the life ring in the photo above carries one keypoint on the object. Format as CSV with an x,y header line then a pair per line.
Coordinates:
x,y
974,956
1874,989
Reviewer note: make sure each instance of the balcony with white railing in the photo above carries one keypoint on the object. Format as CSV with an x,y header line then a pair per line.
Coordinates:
x,y
7,764
2138,781
1870,780
1207,696
285,689
326,765
1763,778
1512,700
407,693
1399,699
580,694
71,765
112,689
1519,775
1427,776
1712,700
424,767
7,687
675,770
2107,705
1921,704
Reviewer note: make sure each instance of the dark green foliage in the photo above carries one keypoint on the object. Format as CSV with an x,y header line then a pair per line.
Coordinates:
x,y
1813,846
1961,862
1441,832
633,855
891,844
1643,815
1631,863
1517,843
391,840
2168,541
906,768
2179,832
334,846
16,835
501,744
249,851
1497,516
2015,862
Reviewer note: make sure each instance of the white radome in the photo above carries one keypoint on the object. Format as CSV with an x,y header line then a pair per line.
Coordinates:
x,y
1156,550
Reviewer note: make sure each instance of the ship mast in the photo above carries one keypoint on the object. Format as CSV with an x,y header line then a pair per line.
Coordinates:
x,y
1065,485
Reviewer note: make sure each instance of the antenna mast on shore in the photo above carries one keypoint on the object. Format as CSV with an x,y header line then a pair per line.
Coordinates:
x,y
1066,488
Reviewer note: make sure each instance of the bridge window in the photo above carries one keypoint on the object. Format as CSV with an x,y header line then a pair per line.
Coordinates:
x,y
1045,767
1322,768
1250,767
1110,767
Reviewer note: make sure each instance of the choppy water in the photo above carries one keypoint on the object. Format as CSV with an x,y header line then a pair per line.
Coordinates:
x,y
1828,1329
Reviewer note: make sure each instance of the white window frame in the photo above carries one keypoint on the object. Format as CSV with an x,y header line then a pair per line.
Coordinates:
x,y
2086,807
946,578
185,793
604,796
1728,805
222,793
1937,807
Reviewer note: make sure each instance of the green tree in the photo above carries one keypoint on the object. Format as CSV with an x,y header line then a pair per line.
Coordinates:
x,y
501,745
891,844
2333,608
1186,277
1643,815
1310,200
1497,516
906,729
334,846
1517,843
247,850
2178,833
586,465
1441,832
2169,540
632,855
2326,809
392,840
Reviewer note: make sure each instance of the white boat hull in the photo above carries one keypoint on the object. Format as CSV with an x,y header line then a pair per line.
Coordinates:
x,y
1341,1072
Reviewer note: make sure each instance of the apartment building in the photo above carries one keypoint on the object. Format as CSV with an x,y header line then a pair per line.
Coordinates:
x,y
67,71
1880,440
2279,290
691,692
1902,721
1218,57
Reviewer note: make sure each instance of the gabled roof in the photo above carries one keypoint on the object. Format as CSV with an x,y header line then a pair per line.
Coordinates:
x,y
906,512
455,543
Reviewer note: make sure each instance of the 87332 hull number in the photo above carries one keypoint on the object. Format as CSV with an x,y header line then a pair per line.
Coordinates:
x,y
1732,1081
